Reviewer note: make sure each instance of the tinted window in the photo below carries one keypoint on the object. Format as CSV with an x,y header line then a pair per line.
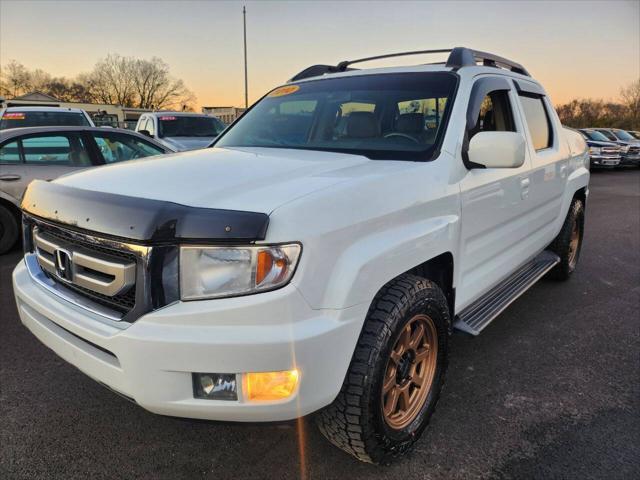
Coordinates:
x,y
495,114
395,116
120,147
10,153
15,119
622,135
537,121
610,136
185,126
595,136
55,150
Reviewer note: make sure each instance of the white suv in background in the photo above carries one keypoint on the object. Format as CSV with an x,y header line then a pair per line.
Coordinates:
x,y
180,130
317,258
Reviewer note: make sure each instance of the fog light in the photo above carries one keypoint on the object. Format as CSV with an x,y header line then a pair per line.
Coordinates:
x,y
215,386
264,386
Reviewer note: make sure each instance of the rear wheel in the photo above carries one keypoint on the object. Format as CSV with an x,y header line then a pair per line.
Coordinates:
x,y
396,373
8,229
568,243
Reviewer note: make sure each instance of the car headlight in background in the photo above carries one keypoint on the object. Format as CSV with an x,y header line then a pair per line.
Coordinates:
x,y
595,150
213,272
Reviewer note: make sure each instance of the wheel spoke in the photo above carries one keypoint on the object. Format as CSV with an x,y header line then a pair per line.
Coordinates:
x,y
422,354
392,402
390,381
417,337
406,398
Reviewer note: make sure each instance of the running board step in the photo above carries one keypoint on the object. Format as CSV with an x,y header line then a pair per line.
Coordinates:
x,y
479,314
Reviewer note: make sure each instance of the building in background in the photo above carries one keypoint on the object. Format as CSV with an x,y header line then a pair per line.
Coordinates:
x,y
101,113
226,115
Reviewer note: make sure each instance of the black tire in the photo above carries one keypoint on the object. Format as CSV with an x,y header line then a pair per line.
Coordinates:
x,y
8,230
355,421
562,247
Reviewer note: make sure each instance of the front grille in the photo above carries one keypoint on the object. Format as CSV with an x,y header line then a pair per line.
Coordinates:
x,y
633,150
123,302
610,150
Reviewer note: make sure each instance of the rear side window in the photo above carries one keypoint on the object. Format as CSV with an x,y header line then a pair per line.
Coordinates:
x,y
18,119
10,153
55,150
538,121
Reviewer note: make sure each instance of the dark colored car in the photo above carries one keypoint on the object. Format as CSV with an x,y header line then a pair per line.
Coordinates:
x,y
628,143
602,152
45,153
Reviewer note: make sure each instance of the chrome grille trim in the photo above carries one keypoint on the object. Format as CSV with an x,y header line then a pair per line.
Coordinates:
x,y
93,287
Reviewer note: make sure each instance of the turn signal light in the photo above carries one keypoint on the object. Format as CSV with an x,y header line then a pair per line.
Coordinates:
x,y
266,386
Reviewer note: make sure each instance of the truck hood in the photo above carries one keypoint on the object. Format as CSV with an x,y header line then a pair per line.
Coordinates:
x,y
596,143
181,144
249,179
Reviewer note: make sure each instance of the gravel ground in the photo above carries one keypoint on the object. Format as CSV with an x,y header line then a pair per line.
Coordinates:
x,y
550,390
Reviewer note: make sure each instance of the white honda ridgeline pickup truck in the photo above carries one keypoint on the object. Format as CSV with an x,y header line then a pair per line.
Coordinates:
x,y
319,255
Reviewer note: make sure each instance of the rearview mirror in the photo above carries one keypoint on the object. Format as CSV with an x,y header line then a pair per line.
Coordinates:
x,y
145,132
497,149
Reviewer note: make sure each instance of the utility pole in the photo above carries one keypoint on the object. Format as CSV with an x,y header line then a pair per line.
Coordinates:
x,y
246,87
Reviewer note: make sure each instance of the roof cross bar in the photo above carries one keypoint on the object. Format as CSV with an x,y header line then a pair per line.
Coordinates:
x,y
458,57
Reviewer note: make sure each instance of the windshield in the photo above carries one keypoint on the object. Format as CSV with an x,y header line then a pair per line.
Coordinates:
x,y
184,126
610,136
400,116
17,119
595,136
622,135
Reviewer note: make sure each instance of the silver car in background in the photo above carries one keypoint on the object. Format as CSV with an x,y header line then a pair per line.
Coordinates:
x,y
44,153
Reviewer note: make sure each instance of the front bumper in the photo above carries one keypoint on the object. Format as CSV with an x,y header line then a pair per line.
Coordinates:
x,y
151,360
633,160
605,160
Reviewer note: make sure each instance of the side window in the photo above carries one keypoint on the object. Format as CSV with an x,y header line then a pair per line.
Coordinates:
x,y
55,150
10,153
150,127
496,114
119,148
538,122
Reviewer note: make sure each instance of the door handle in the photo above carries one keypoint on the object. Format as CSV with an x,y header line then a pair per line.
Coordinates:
x,y
10,177
524,186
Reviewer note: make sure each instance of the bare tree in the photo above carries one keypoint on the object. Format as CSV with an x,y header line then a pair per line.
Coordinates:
x,y
14,79
631,100
112,80
156,88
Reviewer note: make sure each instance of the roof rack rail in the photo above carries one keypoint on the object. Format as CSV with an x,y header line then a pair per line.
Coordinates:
x,y
458,57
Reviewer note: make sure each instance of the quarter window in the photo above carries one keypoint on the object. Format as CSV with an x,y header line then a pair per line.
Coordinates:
x,y
118,148
538,122
10,153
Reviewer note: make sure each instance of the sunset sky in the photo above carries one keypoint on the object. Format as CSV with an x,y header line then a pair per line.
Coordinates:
x,y
575,48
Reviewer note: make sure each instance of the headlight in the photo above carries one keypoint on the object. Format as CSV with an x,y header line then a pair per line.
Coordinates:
x,y
213,272
595,150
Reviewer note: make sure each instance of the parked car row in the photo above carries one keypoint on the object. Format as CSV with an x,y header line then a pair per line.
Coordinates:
x,y
612,147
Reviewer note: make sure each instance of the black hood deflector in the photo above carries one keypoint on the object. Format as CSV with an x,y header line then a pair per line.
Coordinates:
x,y
140,219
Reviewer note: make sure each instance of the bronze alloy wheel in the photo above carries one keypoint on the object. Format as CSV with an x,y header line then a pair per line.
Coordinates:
x,y
574,244
410,372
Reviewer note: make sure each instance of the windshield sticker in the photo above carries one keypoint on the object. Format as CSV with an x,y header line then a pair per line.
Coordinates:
x,y
14,115
167,118
282,91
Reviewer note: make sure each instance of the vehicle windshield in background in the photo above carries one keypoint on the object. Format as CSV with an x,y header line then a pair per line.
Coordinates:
x,y
389,116
19,119
610,136
622,135
595,136
183,126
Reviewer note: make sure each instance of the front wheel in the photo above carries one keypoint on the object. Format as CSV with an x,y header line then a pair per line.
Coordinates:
x,y
8,230
568,244
396,373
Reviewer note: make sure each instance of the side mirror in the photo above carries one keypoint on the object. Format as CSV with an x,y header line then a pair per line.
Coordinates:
x,y
145,132
497,149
